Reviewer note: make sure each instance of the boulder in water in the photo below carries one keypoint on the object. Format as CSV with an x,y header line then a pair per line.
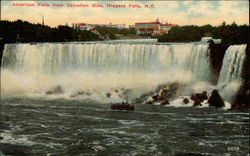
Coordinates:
x,y
108,95
164,102
216,100
242,100
185,101
80,92
197,103
199,96
155,97
164,93
56,90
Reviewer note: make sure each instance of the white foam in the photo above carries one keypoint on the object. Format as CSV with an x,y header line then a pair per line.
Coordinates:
x,y
12,139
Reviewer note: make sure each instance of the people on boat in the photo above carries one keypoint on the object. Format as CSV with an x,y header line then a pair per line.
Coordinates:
x,y
123,105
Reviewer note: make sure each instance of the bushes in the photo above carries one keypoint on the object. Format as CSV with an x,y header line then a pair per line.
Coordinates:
x,y
22,31
230,34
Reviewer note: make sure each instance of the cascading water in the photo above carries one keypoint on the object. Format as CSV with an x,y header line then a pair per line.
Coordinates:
x,y
230,78
33,68
232,64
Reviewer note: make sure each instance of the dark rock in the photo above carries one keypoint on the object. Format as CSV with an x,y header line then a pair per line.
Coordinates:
x,y
202,96
164,102
108,95
217,52
155,97
116,91
197,103
199,96
185,101
163,93
216,100
80,93
193,97
1,138
57,90
242,99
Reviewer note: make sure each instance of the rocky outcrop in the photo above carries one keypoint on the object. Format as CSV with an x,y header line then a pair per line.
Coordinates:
x,y
164,102
242,99
217,52
216,100
77,94
56,90
198,98
197,103
108,95
185,101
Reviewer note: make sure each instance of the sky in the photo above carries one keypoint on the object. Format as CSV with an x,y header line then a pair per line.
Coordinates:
x,y
185,12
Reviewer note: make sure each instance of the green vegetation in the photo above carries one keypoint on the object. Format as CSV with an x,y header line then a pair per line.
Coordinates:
x,y
22,31
230,34
114,33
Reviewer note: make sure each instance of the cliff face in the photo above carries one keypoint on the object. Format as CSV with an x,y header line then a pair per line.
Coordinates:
x,y
1,51
217,52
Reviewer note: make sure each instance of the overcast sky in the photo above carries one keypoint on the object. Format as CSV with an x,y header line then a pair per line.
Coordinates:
x,y
178,12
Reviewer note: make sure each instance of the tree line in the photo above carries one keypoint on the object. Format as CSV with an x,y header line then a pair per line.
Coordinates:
x,y
23,31
229,33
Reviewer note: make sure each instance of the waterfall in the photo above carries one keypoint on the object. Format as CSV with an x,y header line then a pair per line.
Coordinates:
x,y
232,64
55,58
98,66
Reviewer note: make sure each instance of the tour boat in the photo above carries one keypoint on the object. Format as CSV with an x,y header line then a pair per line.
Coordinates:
x,y
122,106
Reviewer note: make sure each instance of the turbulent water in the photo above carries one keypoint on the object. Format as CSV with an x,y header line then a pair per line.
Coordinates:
x,y
75,127
232,64
54,100
230,78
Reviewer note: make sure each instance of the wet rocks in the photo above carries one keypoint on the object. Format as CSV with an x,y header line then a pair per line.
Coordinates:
x,y
155,97
216,100
164,93
162,99
185,101
56,90
108,95
242,100
164,102
197,103
78,94
199,96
